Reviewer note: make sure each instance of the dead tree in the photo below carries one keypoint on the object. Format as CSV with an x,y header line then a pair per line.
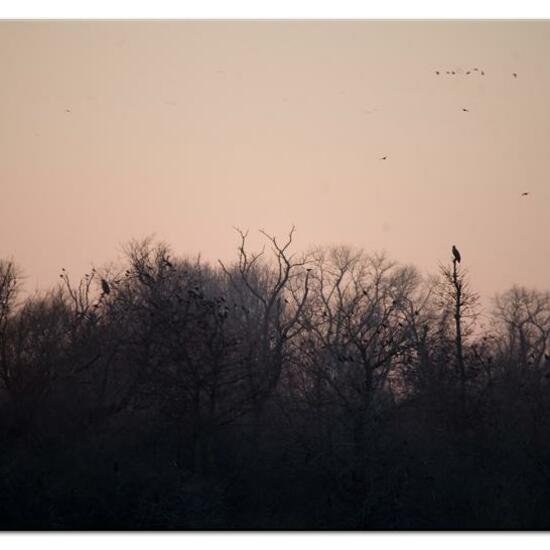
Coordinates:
x,y
268,320
456,295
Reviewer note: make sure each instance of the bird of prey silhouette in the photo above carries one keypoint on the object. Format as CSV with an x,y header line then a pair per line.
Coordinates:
x,y
456,254
105,286
525,194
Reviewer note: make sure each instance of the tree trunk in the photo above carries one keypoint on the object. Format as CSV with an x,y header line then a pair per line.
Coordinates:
x,y
458,340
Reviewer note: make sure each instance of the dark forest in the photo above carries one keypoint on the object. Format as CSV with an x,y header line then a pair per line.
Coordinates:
x,y
332,389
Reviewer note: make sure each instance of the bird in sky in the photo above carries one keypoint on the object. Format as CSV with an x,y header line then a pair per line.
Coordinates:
x,y
465,110
515,75
456,254
105,286
467,72
384,158
525,194
476,69
482,73
437,72
67,110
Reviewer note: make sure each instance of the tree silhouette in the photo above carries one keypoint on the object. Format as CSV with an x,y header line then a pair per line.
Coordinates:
x,y
331,389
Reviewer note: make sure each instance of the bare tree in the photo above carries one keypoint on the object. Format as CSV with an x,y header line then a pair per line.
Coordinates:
x,y
35,354
268,323
9,286
354,337
461,302
181,336
523,320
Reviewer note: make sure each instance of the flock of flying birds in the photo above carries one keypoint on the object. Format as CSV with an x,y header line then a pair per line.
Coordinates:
x,y
473,71
467,73
453,73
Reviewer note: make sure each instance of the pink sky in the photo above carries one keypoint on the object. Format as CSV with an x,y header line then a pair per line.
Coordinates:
x,y
184,129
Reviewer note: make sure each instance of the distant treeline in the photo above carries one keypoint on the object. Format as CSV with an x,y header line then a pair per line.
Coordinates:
x,y
333,389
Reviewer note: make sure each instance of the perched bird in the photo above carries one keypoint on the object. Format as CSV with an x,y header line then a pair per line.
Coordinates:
x,y
525,194
105,286
384,158
456,254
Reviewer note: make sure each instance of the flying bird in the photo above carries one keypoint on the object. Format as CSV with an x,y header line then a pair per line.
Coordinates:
x,y
465,110
437,72
476,69
515,75
456,254
384,158
67,110
482,73
525,194
105,286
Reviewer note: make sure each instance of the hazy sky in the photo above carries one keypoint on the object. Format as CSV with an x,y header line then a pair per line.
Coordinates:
x,y
184,129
